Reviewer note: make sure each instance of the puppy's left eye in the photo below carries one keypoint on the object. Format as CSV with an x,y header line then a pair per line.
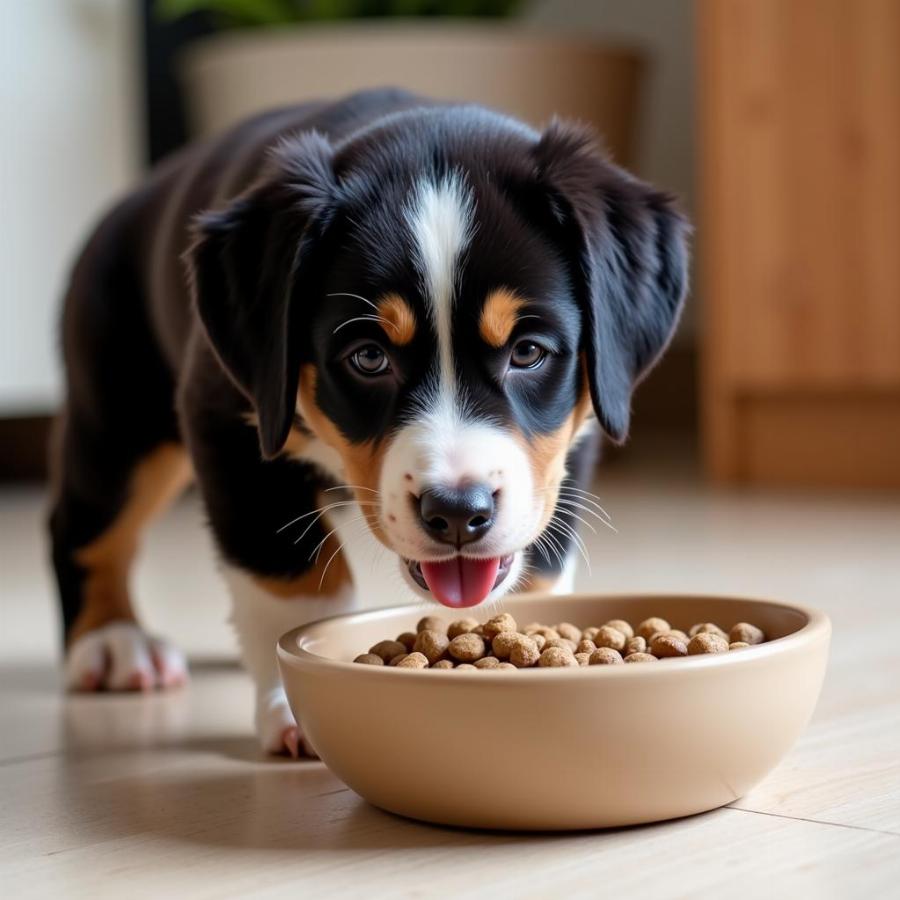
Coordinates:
x,y
527,355
370,360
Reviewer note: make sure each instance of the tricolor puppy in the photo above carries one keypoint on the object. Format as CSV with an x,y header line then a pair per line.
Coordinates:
x,y
418,308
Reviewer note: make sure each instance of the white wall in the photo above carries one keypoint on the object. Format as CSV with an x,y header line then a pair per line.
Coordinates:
x,y
70,143
665,30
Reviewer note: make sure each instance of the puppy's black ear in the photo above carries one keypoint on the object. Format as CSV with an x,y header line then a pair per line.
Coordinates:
x,y
630,258
247,267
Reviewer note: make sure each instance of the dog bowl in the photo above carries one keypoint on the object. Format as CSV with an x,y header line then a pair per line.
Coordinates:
x,y
553,749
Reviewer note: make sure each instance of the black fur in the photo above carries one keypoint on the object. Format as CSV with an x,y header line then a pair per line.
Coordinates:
x,y
630,265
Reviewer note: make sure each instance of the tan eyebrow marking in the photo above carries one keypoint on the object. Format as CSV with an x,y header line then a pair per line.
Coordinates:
x,y
398,314
499,316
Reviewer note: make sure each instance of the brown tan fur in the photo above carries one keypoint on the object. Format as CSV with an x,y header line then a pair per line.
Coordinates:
x,y
499,316
156,482
362,462
547,452
296,443
399,319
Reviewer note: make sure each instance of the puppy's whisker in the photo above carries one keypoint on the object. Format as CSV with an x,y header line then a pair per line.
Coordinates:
x,y
350,487
584,522
318,548
565,492
579,503
586,496
326,510
380,319
568,507
330,561
570,533
312,512
355,297
550,544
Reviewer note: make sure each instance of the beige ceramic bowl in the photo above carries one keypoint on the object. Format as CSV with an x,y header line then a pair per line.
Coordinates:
x,y
559,748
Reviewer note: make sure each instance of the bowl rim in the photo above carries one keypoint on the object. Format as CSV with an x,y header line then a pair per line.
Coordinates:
x,y
817,628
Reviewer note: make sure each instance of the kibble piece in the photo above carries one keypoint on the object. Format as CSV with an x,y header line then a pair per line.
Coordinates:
x,y
538,639
498,624
605,656
589,633
651,626
387,650
621,625
636,645
431,644
413,661
487,662
585,646
672,632
408,639
667,645
525,653
608,636
738,645
461,626
746,634
583,659
562,643
442,664
707,642
503,644
369,659
557,657
466,647
537,628
479,630
395,661
706,628
432,623
466,666
640,658
506,665
568,631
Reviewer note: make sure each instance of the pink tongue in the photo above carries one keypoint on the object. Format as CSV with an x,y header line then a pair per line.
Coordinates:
x,y
461,581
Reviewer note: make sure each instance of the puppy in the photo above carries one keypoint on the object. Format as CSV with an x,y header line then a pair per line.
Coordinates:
x,y
416,308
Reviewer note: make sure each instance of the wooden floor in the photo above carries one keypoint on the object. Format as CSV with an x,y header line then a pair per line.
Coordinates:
x,y
166,796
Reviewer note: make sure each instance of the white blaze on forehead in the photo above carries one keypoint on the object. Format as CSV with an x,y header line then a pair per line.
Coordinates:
x,y
440,218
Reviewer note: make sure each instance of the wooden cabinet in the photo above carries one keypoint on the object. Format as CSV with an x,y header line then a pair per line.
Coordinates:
x,y
799,239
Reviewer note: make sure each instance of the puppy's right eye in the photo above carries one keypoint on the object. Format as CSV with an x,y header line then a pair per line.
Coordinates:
x,y
370,360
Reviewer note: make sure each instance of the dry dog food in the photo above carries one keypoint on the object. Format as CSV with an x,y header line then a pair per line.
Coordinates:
x,y
500,643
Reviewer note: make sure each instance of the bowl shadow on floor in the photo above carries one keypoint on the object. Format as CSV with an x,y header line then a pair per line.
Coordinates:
x,y
267,805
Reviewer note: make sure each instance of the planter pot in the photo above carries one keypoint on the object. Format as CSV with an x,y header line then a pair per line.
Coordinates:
x,y
524,72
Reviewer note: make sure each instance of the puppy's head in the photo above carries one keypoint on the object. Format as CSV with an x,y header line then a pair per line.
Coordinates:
x,y
445,301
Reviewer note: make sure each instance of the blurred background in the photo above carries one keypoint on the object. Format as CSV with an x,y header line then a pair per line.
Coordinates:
x,y
776,121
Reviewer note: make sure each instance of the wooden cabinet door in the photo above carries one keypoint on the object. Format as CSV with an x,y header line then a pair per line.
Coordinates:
x,y
800,226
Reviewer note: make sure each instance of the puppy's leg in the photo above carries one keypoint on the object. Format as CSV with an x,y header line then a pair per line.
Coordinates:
x,y
282,565
553,570
263,609
102,504
117,462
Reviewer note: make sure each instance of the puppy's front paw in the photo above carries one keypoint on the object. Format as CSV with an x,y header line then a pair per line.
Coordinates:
x,y
121,657
278,731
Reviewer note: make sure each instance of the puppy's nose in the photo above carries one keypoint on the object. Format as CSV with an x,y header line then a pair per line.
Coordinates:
x,y
457,515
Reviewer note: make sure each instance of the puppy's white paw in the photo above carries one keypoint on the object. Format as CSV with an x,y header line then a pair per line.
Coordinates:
x,y
121,657
277,729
